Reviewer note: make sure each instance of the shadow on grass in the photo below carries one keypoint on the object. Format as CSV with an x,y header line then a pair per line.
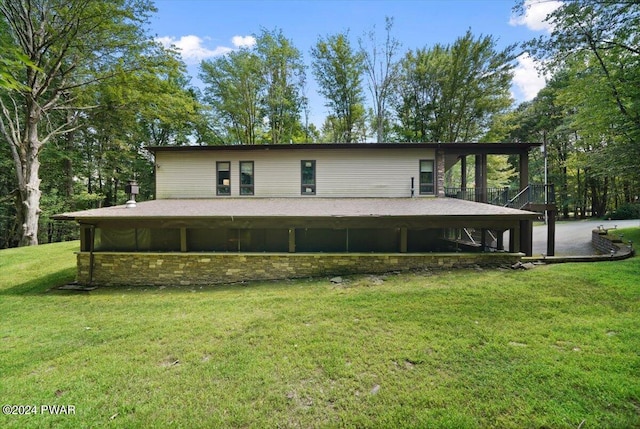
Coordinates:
x,y
42,284
239,287
51,282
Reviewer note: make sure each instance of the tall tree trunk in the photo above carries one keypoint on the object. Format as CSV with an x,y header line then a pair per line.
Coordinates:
x,y
67,164
29,187
25,150
565,193
602,208
380,123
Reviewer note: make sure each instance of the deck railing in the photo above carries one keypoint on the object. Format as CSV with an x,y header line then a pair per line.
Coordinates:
x,y
515,198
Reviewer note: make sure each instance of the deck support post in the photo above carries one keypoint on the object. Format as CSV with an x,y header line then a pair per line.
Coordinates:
x,y
483,239
514,240
500,240
183,239
292,240
481,177
524,170
463,174
551,232
526,234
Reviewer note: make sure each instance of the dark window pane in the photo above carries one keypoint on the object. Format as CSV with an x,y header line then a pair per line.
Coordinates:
x,y
427,177
224,178
246,178
308,177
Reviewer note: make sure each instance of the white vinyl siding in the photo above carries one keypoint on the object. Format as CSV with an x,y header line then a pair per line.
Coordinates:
x,y
339,172
185,175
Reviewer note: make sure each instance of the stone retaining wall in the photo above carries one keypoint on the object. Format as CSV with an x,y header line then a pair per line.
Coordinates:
x,y
603,242
118,268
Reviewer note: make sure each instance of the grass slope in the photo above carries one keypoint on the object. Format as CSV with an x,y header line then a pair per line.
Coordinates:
x,y
556,346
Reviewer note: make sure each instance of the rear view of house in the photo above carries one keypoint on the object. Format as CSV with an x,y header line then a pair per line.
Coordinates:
x,y
233,213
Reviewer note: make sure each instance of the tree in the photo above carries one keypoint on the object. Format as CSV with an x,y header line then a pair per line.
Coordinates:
x,y
452,93
136,108
381,69
73,44
234,88
338,69
8,225
548,119
256,93
597,42
595,45
284,75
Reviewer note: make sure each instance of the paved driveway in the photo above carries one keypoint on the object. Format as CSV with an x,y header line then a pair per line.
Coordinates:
x,y
573,238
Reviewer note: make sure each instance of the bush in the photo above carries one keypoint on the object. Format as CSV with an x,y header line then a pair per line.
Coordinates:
x,y
626,211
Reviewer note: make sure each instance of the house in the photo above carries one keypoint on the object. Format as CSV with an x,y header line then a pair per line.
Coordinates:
x,y
235,213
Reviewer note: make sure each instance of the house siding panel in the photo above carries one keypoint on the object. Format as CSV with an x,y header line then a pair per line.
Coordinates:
x,y
189,175
339,173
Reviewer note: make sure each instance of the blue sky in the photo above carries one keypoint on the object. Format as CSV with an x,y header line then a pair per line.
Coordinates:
x,y
204,29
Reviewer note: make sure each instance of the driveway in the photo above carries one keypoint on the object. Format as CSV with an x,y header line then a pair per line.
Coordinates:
x,y
573,238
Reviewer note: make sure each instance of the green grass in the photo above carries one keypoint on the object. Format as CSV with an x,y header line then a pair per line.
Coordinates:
x,y
556,346
632,234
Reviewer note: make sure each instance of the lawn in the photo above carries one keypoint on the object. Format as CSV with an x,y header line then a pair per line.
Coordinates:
x,y
556,346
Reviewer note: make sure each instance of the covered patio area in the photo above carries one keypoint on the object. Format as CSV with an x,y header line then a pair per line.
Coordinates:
x,y
166,240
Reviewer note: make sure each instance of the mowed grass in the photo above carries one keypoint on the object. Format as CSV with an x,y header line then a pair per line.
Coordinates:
x,y
556,346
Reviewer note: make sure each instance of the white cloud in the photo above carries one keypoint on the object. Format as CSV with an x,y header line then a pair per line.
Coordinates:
x,y
535,13
527,80
243,41
193,48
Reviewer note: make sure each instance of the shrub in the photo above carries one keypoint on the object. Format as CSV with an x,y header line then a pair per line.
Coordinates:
x,y
626,211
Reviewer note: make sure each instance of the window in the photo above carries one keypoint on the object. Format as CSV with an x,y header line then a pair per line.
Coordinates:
x,y
426,177
223,173
308,177
246,177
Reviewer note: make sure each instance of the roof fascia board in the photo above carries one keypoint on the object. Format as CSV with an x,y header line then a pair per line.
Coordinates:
x,y
463,148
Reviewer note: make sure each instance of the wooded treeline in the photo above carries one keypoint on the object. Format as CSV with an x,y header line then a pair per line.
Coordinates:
x,y
84,88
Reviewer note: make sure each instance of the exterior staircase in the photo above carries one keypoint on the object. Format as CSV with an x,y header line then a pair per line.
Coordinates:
x,y
539,198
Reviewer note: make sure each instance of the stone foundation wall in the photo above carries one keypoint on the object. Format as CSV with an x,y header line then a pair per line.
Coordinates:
x,y
118,268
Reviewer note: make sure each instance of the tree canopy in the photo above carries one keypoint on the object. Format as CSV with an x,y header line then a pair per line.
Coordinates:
x,y
67,54
338,68
452,93
593,54
256,94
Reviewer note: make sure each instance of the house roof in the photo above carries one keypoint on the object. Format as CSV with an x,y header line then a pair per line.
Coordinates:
x,y
300,207
458,147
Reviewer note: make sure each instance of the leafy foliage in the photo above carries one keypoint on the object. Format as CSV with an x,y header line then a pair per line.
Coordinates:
x,y
73,44
256,93
593,53
626,211
98,90
451,93
338,68
382,70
